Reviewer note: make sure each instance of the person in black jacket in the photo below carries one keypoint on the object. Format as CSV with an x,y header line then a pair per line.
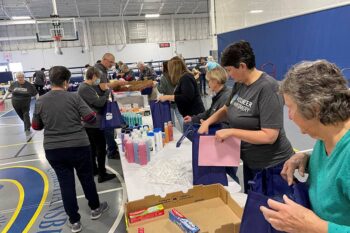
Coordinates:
x,y
186,94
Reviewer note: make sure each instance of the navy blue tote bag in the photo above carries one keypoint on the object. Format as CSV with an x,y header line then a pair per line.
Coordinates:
x,y
203,174
160,113
269,184
111,116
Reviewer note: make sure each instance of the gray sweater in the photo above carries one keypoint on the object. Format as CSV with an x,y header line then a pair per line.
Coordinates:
x,y
60,114
94,101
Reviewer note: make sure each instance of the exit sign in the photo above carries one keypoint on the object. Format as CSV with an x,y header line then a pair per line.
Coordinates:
x,y
164,45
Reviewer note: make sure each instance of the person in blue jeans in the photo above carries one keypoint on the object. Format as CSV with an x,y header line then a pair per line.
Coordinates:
x,y
66,144
254,111
318,101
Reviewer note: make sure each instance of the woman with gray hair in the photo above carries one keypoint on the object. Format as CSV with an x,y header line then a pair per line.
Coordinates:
x,y
318,101
22,91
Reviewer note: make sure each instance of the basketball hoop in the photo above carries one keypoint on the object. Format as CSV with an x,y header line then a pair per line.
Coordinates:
x,y
57,44
57,37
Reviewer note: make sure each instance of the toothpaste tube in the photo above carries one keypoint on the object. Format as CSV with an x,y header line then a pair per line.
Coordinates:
x,y
186,225
150,212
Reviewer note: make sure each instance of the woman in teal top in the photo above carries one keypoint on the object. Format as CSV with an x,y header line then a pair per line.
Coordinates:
x,y
318,101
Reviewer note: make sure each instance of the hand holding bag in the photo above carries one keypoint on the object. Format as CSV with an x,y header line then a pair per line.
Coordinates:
x,y
269,184
205,174
111,116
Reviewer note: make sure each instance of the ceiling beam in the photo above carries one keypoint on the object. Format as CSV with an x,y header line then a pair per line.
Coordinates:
x,y
99,8
5,12
125,6
161,8
141,8
179,8
17,38
26,3
111,18
77,8
196,8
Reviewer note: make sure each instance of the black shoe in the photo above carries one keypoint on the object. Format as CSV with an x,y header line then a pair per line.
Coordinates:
x,y
95,172
116,155
105,177
205,93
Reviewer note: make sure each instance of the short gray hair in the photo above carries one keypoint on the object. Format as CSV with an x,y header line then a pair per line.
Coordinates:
x,y
18,74
319,90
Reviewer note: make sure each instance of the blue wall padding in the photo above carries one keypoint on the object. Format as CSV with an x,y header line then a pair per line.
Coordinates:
x,y
320,35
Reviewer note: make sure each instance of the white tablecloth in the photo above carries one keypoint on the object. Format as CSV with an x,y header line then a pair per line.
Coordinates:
x,y
141,181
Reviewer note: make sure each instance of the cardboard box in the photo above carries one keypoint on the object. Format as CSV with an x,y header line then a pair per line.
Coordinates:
x,y
210,207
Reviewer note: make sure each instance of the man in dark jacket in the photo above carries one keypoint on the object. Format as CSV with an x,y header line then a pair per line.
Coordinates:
x,y
39,81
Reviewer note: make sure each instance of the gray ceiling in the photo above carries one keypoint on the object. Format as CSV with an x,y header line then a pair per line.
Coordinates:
x,y
99,8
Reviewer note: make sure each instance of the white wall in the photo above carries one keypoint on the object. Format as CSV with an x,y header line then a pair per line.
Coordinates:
x,y
190,38
73,57
235,14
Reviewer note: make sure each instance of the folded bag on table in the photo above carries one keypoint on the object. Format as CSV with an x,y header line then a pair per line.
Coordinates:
x,y
269,184
111,116
160,112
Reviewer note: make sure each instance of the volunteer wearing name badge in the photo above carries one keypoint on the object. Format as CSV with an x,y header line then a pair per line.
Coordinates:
x,y
22,92
107,62
96,135
255,114
318,100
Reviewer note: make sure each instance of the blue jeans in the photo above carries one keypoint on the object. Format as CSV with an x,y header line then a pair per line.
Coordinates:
x,y
64,161
202,84
111,144
180,119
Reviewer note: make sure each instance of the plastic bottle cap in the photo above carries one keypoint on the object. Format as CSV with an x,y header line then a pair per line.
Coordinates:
x,y
151,134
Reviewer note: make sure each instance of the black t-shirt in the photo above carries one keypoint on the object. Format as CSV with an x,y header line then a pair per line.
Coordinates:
x,y
22,91
254,107
40,78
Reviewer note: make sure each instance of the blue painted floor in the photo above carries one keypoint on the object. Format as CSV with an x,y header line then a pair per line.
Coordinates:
x,y
29,191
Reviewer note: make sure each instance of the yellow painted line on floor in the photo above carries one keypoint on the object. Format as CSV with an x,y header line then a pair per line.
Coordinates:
x,y
43,198
19,204
20,144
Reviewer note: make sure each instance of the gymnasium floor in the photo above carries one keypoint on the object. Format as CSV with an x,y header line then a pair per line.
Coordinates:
x,y
27,181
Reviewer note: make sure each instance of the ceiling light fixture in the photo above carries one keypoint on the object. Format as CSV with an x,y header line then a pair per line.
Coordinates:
x,y
152,15
256,11
20,17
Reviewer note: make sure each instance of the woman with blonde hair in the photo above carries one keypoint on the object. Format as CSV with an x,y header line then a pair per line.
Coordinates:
x,y
216,77
186,94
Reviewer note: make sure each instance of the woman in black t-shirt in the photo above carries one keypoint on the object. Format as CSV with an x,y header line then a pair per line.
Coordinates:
x,y
22,92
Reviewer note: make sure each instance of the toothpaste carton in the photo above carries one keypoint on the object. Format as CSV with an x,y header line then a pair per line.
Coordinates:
x,y
150,212
186,225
